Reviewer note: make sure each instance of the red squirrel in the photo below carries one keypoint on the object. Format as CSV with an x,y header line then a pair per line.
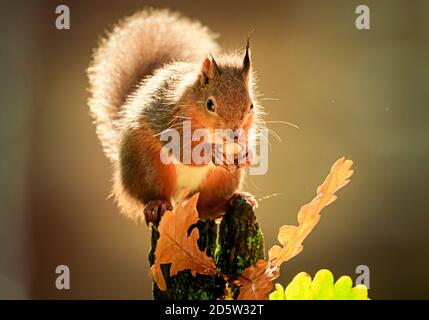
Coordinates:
x,y
155,69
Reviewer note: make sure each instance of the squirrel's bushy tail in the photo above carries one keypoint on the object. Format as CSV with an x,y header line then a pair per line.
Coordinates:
x,y
135,48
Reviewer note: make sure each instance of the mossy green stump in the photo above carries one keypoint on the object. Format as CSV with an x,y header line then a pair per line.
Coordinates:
x,y
235,244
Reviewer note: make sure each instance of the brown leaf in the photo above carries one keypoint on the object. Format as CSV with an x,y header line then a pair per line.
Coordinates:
x,y
256,281
292,237
176,247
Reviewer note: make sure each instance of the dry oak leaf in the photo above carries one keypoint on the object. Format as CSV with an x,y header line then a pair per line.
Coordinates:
x,y
257,281
292,237
176,247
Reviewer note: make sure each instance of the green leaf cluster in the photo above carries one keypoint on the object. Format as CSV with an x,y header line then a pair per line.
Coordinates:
x,y
322,287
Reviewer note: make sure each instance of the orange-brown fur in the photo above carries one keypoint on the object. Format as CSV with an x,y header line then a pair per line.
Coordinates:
x,y
152,72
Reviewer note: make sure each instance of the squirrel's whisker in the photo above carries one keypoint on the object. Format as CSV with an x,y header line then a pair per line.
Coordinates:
x,y
269,99
175,126
284,122
269,196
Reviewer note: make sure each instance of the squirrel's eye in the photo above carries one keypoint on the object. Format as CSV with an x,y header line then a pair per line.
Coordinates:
x,y
210,105
251,107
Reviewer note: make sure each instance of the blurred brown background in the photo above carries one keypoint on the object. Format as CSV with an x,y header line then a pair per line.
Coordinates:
x,y
362,94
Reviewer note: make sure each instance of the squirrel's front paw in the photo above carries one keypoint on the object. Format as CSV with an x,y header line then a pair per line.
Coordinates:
x,y
234,161
154,210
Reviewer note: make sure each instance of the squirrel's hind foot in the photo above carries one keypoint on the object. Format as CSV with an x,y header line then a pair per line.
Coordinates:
x,y
154,210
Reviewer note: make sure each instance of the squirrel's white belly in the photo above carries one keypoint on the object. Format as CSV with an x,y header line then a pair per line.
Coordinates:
x,y
190,177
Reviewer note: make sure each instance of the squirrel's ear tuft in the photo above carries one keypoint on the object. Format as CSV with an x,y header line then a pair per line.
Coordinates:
x,y
246,60
209,70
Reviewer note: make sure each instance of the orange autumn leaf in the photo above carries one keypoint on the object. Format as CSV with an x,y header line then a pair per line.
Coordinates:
x,y
176,247
292,237
257,281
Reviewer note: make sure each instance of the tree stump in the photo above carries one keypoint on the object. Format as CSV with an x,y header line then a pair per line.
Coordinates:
x,y
235,244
